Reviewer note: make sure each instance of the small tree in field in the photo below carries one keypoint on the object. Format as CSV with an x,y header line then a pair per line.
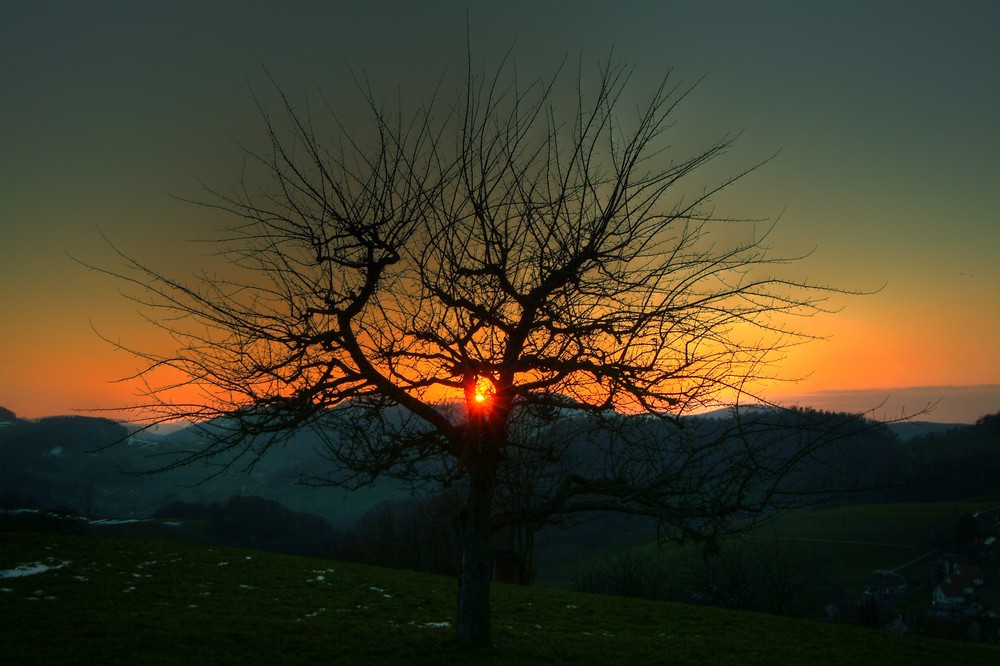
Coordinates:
x,y
498,294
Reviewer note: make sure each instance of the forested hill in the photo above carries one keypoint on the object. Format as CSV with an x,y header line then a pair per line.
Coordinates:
x,y
97,467
94,466
962,462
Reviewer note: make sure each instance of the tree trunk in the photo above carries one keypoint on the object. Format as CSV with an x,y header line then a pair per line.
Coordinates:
x,y
476,568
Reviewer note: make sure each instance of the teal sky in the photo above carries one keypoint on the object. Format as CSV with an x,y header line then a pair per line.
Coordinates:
x,y
885,115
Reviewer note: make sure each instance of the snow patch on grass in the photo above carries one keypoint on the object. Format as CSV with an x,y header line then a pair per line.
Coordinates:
x,y
30,569
435,625
313,614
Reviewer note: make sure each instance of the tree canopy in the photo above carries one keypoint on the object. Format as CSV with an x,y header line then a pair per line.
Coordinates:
x,y
436,291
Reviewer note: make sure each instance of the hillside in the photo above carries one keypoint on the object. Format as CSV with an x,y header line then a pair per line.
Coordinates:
x,y
95,467
80,600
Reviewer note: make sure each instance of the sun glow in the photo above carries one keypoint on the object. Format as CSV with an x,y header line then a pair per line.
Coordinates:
x,y
479,393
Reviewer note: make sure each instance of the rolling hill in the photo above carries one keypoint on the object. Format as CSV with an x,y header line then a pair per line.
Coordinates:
x,y
89,600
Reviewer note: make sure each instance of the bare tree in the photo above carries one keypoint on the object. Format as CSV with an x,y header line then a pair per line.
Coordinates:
x,y
497,288
632,573
767,574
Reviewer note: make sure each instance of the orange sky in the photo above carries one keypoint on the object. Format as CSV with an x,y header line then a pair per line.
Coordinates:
x,y
885,117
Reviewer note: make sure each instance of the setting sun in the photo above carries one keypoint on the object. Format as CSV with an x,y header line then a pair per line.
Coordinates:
x,y
480,392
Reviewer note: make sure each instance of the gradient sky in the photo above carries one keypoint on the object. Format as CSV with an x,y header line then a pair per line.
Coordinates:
x,y
885,114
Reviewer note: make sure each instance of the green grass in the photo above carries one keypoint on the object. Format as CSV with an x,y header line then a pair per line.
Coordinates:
x,y
848,542
919,525
852,541
117,601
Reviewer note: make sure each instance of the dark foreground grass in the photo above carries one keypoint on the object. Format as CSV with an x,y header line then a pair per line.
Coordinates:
x,y
111,601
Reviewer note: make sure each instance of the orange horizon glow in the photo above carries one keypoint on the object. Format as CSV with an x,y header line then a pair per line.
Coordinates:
x,y
89,374
69,369
92,392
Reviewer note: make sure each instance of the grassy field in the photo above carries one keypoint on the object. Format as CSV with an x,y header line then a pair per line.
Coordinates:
x,y
852,541
94,600
846,543
913,524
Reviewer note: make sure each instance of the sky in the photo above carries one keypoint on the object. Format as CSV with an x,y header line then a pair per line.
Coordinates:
x,y
883,115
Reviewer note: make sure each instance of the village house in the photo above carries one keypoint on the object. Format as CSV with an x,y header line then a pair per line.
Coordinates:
x,y
952,563
885,585
990,599
970,577
985,550
948,596
958,591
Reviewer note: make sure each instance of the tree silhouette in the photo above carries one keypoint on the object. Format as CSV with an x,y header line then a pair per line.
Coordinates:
x,y
493,293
